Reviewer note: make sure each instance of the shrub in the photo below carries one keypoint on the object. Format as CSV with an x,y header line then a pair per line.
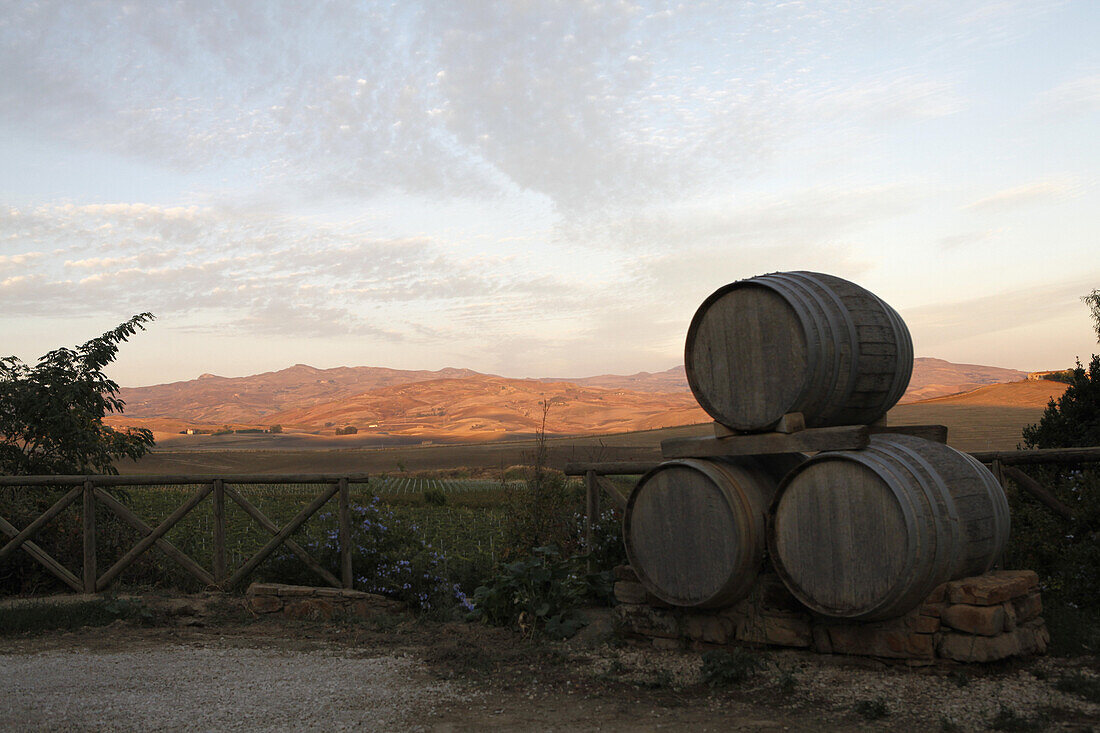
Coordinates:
x,y
51,414
875,709
722,668
1073,419
541,512
538,593
435,497
1065,554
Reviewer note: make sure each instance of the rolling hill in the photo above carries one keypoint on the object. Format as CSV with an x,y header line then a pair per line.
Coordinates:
x,y
938,378
461,404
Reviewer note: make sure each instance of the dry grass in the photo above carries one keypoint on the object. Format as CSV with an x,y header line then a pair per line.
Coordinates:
x,y
971,428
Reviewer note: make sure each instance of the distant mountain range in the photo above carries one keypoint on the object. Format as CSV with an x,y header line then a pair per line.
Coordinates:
x,y
462,403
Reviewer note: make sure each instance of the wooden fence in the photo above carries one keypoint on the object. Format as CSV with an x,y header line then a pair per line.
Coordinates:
x,y
93,489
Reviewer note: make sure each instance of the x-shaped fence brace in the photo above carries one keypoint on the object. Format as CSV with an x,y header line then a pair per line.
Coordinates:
x,y
217,486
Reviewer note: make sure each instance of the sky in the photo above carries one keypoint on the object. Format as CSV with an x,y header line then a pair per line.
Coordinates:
x,y
538,188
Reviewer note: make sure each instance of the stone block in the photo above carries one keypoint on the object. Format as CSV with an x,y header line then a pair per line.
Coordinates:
x,y
1029,638
265,603
1034,637
972,648
992,589
890,639
709,628
310,609
1010,616
366,603
924,624
262,589
1028,577
1027,607
938,594
292,591
932,609
625,572
646,621
667,645
983,620
629,592
339,593
779,630
822,643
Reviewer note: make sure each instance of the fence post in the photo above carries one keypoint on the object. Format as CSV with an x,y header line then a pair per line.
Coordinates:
x,y
344,517
220,572
89,537
591,507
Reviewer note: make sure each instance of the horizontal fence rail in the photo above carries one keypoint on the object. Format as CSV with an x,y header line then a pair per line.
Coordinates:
x,y
93,489
191,478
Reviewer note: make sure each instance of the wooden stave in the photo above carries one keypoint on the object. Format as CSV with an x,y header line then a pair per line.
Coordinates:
x,y
839,386
834,314
756,484
948,526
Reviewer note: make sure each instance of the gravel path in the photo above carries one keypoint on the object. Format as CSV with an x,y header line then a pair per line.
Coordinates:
x,y
218,687
395,674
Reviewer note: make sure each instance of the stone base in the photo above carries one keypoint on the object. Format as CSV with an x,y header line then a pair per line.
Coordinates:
x,y
315,604
980,619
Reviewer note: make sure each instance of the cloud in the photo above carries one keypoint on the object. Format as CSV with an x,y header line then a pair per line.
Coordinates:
x,y
1029,194
1070,99
586,104
256,272
1004,311
967,239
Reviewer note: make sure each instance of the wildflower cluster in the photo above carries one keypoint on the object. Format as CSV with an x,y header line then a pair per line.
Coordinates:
x,y
388,555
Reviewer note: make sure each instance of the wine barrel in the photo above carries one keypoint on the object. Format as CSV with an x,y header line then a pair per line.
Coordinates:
x,y
796,342
868,534
694,529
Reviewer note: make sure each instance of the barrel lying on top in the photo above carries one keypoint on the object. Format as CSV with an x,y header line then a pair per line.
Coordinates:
x,y
797,342
868,534
694,529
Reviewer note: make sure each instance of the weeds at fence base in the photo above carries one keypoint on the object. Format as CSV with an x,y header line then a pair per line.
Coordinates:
x,y
41,616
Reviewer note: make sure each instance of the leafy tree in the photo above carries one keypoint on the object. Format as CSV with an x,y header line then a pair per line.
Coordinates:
x,y
1092,300
51,414
1074,419
1066,554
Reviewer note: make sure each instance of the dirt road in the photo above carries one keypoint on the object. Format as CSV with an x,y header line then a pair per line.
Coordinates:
x,y
396,673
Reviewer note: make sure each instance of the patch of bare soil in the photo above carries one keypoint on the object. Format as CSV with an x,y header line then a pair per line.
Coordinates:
x,y
208,663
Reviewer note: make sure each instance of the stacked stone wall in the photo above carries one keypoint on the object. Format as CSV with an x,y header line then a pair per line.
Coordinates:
x,y
980,619
315,604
